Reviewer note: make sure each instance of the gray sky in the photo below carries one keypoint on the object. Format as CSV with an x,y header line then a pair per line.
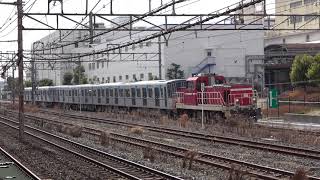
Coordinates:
x,y
78,6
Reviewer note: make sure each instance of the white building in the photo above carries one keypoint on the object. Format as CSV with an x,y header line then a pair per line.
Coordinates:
x,y
221,52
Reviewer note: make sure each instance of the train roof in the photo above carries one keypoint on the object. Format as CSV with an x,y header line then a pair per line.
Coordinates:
x,y
153,82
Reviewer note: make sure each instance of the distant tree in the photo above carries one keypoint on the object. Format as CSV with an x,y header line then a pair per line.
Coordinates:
x,y
78,76
28,83
67,78
313,72
45,82
12,84
174,72
299,69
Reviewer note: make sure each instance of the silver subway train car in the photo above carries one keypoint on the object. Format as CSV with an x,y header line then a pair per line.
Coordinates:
x,y
157,94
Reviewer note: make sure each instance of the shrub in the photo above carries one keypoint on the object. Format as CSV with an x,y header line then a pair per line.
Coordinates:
x,y
136,130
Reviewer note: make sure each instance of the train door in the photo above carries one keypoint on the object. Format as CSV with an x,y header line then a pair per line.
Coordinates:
x,y
107,96
144,96
133,96
99,95
116,96
157,96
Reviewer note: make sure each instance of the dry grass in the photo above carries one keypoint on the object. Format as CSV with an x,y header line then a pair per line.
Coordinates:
x,y
137,130
105,138
189,156
75,131
300,174
183,120
164,120
31,108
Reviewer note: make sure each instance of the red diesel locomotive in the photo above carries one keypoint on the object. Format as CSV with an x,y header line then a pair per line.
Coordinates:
x,y
212,94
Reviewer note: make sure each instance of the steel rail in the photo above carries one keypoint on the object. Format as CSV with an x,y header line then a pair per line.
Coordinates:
x,y
19,165
146,170
204,158
296,151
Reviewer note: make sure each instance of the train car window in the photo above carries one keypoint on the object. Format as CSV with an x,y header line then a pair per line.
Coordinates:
x,y
111,92
121,92
94,92
161,92
116,93
144,92
107,92
150,92
127,92
99,94
133,92
169,90
102,92
138,92
76,92
82,93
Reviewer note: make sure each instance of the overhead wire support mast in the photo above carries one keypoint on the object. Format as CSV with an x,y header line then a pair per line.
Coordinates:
x,y
20,64
20,69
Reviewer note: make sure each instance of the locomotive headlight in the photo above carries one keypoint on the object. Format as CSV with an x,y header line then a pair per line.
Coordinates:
x,y
254,99
237,101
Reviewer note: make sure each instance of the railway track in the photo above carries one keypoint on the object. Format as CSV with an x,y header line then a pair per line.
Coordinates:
x,y
118,167
11,168
255,170
288,150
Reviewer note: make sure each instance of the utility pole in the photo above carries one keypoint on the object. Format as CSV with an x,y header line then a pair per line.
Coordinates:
x,y
13,90
20,69
91,27
33,83
160,59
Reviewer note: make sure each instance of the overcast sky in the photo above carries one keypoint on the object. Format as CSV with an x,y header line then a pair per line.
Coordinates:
x,y
9,32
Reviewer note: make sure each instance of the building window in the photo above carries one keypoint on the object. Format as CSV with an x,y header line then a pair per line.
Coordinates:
x,y
141,76
308,38
133,46
295,19
134,77
296,4
114,79
102,81
98,65
108,79
283,40
148,43
120,78
150,76
93,66
127,77
102,64
141,45
98,80
126,49
310,1
89,66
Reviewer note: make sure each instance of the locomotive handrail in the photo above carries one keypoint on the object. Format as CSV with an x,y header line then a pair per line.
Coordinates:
x,y
214,98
